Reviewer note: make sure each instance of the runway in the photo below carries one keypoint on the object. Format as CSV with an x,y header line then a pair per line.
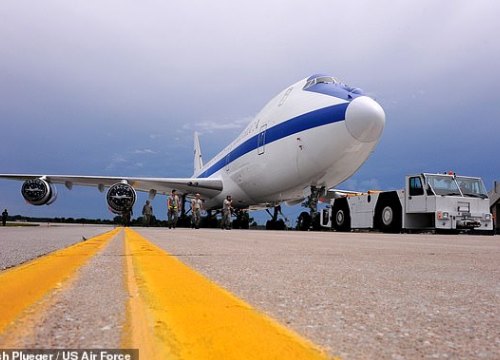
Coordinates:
x,y
210,293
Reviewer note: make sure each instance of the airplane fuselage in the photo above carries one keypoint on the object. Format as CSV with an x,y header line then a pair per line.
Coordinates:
x,y
317,132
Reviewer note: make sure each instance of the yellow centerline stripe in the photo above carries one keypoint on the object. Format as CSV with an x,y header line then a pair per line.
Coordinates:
x,y
24,285
137,333
180,314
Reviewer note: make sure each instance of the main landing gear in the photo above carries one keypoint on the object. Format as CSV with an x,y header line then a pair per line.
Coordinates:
x,y
275,223
242,220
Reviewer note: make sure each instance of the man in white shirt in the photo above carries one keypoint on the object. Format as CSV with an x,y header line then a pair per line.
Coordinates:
x,y
227,208
196,207
173,206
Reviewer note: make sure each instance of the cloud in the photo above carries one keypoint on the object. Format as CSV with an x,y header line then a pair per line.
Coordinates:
x,y
120,163
209,126
354,184
116,162
144,151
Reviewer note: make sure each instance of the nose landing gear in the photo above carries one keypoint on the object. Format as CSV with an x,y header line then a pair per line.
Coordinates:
x,y
310,221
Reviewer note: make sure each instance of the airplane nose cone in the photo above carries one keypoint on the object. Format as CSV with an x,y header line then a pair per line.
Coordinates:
x,y
365,119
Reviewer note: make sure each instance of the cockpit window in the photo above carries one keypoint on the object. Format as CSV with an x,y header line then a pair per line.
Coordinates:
x,y
320,80
328,85
325,80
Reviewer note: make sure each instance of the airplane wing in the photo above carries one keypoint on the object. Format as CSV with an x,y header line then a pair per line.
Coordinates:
x,y
207,187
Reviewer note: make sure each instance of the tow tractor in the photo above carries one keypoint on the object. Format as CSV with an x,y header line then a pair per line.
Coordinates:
x,y
439,202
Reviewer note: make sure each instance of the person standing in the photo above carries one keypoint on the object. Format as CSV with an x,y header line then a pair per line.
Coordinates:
x,y
173,206
147,213
5,215
227,209
127,217
196,207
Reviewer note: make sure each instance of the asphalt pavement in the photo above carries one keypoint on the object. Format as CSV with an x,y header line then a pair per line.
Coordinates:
x,y
357,295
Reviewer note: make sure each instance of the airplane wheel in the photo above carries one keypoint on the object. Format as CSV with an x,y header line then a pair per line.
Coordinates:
x,y
245,224
280,225
341,218
389,217
275,225
315,225
304,221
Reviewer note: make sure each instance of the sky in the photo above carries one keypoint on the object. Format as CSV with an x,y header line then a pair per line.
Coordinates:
x,y
118,87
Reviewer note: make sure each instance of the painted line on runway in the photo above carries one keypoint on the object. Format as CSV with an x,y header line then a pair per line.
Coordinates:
x,y
24,285
175,312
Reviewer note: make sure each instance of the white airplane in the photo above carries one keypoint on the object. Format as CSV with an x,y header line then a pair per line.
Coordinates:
x,y
309,138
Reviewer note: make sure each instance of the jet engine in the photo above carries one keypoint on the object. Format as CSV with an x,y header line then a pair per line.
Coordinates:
x,y
39,192
121,198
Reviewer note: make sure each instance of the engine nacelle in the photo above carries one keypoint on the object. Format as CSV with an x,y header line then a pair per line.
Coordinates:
x,y
39,192
121,198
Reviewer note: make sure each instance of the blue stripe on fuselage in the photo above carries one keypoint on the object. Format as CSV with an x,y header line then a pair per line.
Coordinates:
x,y
324,116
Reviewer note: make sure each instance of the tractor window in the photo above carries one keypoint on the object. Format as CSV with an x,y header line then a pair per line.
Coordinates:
x,y
416,188
472,187
444,185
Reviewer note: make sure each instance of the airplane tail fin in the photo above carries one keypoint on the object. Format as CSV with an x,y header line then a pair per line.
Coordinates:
x,y
198,161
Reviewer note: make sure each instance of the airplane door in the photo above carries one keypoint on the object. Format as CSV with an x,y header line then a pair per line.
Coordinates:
x,y
261,140
228,161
